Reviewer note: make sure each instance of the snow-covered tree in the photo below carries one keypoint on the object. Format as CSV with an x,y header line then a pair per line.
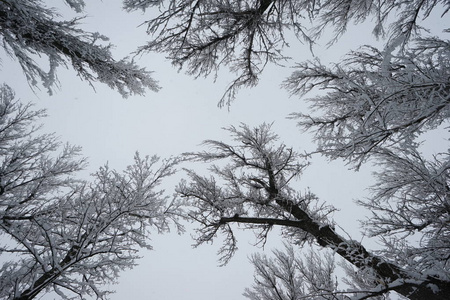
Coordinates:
x,y
29,30
375,99
376,106
250,184
62,234
288,276
246,35
373,105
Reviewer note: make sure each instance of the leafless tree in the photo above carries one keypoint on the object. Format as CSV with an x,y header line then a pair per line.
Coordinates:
x,y
63,234
247,35
251,185
288,276
375,99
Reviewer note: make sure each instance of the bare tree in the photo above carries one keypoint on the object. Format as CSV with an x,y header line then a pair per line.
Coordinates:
x,y
377,105
28,30
251,187
412,200
287,276
375,99
247,35
67,235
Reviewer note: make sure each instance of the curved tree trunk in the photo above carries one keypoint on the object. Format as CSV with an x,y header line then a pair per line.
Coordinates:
x,y
356,254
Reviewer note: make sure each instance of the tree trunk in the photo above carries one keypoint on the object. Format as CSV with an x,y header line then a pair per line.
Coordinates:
x,y
48,277
412,288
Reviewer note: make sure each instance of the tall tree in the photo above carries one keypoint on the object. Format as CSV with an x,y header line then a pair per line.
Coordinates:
x,y
29,30
251,185
375,100
376,105
247,35
63,234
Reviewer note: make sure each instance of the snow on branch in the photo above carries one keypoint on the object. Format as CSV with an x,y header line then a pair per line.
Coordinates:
x,y
249,185
69,235
375,99
28,30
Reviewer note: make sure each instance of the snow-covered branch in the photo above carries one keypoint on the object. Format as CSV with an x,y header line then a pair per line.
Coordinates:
x,y
29,30
249,188
71,236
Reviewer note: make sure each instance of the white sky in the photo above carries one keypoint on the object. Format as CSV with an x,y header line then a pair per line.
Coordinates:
x,y
174,120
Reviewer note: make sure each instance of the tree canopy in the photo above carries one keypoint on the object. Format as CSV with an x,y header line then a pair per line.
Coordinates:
x,y
373,107
63,234
71,235
251,184
245,36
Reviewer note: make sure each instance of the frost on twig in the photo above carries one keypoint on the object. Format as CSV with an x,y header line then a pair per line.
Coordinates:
x,y
68,235
250,184
245,36
29,30
375,99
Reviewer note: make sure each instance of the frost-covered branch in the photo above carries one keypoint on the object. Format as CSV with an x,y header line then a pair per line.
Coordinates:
x,y
70,236
28,30
376,99
245,36
410,199
285,276
206,35
249,188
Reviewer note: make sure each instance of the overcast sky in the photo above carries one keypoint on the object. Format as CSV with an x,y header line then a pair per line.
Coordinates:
x,y
175,120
